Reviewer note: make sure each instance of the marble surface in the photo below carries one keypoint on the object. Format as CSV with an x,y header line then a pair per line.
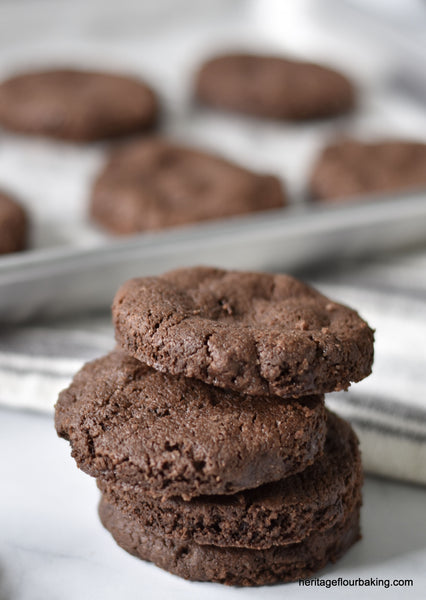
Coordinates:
x,y
52,545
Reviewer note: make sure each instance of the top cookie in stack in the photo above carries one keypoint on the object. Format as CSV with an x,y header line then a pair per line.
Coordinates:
x,y
206,428
254,333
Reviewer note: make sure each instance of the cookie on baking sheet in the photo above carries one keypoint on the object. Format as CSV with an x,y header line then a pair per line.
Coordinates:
x,y
275,514
228,565
154,184
76,105
273,87
254,333
353,168
13,225
177,436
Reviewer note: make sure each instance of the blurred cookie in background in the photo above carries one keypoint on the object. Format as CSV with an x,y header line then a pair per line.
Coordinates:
x,y
349,167
273,87
13,225
76,105
153,184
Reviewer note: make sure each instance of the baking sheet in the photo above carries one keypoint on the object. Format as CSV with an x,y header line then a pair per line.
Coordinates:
x,y
71,264
52,283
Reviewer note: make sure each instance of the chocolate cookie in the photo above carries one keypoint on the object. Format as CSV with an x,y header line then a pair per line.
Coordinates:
x,y
275,514
254,333
153,184
233,566
177,436
350,168
76,105
13,225
273,87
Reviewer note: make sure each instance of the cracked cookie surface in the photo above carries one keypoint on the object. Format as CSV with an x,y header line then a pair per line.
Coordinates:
x,y
176,436
254,333
275,514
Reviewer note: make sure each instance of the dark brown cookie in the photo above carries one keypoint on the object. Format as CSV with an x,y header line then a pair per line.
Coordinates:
x,y
13,225
350,168
177,436
275,514
233,566
76,105
273,87
255,333
154,184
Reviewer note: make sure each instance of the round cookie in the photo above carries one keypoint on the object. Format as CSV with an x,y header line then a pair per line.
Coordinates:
x,y
254,333
153,184
176,436
353,168
13,225
275,514
273,87
233,566
76,105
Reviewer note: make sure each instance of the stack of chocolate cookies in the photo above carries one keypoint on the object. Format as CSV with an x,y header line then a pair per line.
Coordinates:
x,y
207,431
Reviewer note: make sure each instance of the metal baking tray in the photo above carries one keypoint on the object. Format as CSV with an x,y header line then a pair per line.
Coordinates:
x,y
49,283
73,266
